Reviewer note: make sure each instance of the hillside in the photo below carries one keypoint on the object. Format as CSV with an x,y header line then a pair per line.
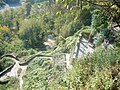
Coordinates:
x,y
60,45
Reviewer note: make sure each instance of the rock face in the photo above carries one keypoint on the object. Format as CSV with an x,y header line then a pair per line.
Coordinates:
x,y
50,43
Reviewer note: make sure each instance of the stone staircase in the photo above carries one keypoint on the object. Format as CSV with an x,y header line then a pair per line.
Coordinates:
x,y
83,48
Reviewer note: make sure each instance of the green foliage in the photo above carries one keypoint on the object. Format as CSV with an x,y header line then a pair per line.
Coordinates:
x,y
9,41
32,33
100,27
5,33
7,62
11,85
66,25
98,20
30,25
86,16
24,53
39,78
98,39
95,72
13,46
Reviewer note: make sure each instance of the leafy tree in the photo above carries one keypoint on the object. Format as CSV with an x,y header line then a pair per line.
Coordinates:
x,y
7,17
32,33
5,33
5,36
109,7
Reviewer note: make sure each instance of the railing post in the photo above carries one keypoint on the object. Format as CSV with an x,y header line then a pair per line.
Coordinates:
x,y
78,45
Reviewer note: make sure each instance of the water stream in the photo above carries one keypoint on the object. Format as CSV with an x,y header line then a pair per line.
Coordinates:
x,y
13,6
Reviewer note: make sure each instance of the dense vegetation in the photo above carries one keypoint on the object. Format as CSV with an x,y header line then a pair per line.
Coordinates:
x,y
24,30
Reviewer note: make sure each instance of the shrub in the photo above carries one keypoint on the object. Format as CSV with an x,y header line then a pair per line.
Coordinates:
x,y
95,72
